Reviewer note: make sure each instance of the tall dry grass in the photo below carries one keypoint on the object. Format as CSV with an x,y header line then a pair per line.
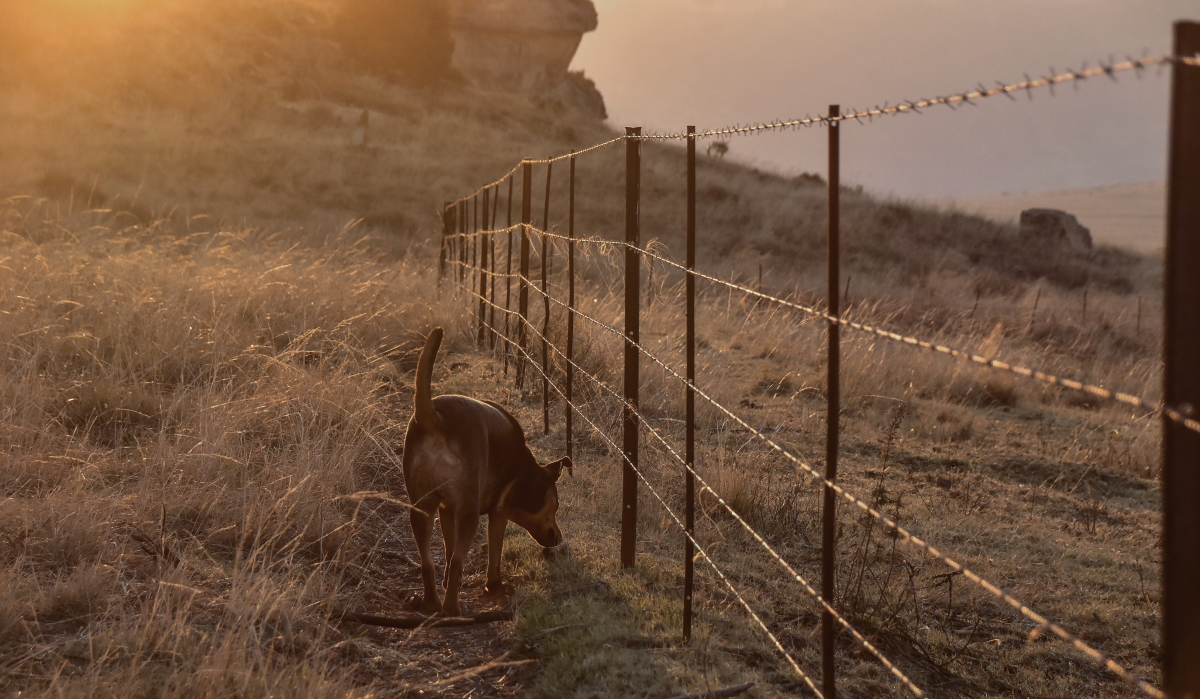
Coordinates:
x,y
193,393
187,417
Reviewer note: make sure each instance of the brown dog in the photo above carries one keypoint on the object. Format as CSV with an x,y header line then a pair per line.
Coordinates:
x,y
464,458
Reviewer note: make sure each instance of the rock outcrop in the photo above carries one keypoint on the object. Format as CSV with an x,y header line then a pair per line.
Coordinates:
x,y
525,46
1054,226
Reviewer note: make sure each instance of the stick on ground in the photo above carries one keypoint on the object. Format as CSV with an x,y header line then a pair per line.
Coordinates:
x,y
718,693
413,621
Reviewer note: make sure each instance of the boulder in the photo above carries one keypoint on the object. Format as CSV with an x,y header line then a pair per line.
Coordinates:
x,y
525,46
1057,227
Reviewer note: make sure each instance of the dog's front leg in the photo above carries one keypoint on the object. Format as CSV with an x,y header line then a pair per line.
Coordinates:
x,y
497,524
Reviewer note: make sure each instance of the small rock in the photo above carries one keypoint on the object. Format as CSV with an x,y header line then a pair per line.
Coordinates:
x,y
943,482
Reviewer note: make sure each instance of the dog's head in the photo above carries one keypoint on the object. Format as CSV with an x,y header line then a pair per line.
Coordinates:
x,y
532,502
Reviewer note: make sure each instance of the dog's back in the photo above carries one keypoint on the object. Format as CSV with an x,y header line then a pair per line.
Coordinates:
x,y
457,450
466,465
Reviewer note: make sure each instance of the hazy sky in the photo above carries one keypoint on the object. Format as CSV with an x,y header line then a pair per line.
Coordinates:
x,y
664,64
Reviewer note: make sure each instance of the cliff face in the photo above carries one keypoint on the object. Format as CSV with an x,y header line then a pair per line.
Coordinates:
x,y
525,46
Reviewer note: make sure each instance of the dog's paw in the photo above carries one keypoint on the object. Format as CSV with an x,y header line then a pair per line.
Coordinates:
x,y
418,603
497,589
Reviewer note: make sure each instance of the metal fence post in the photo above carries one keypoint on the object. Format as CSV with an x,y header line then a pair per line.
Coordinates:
x,y
442,246
451,226
832,419
523,286
1181,379
477,267
508,275
689,514
569,417
546,308
629,481
492,266
483,272
462,241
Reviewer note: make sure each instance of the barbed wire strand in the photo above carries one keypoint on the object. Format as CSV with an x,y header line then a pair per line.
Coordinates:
x,y
699,549
907,537
908,106
981,92
541,161
1044,377
1169,412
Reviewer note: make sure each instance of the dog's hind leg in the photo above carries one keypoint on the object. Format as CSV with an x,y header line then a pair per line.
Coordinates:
x,y
422,526
446,519
466,524
497,524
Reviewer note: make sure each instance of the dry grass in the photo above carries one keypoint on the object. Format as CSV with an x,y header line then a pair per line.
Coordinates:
x,y
205,368
186,419
188,416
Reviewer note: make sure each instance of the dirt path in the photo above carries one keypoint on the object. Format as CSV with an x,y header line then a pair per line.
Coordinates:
x,y
473,661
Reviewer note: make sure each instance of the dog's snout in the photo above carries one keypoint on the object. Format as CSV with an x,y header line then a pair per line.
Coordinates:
x,y
549,537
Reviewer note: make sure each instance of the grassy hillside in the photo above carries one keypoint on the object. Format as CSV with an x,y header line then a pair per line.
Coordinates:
x,y
211,301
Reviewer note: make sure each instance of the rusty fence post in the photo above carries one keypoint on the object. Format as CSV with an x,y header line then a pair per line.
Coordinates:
x,y
508,276
462,241
492,253
523,286
832,418
689,511
629,480
477,267
546,307
570,368
1181,379
482,245
442,246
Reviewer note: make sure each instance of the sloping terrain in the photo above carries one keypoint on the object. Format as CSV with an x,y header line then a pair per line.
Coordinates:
x,y
212,296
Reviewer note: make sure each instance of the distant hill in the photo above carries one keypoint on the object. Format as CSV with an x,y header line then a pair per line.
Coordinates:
x,y
250,112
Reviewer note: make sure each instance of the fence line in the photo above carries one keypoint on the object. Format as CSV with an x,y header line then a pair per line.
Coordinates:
x,y
728,583
734,513
468,252
906,536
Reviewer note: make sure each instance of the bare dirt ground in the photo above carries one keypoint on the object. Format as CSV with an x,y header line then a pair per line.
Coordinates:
x,y
470,661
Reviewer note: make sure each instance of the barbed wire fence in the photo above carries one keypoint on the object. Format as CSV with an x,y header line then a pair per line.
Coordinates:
x,y
469,248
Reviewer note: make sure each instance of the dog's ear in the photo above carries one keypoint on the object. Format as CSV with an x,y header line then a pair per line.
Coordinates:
x,y
554,468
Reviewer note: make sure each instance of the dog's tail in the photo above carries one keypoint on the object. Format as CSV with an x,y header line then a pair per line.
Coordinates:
x,y
425,414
